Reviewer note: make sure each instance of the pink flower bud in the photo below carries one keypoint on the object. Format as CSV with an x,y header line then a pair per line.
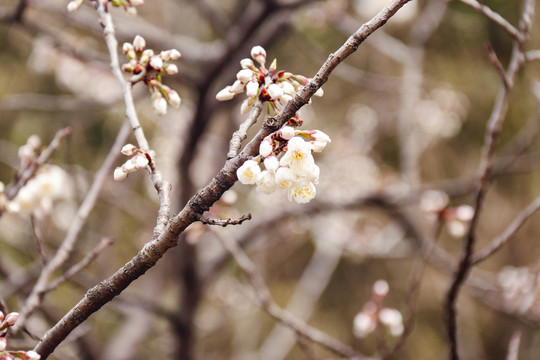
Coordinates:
x,y
11,318
3,344
225,94
128,149
258,54
119,174
139,44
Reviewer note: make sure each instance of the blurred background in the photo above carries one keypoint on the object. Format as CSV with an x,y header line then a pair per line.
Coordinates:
x,y
407,115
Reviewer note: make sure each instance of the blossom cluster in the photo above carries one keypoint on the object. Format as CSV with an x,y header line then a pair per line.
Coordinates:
x,y
373,313
273,87
6,321
139,160
149,67
128,5
289,163
457,218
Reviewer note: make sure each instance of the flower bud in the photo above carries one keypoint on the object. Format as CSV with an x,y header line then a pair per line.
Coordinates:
x,y
363,324
174,98
156,62
159,104
225,94
286,132
128,149
244,75
146,55
32,355
319,92
139,44
168,55
245,107
258,54
381,288
11,318
275,91
131,11
252,89
247,64
237,87
128,50
271,163
3,344
141,161
74,5
266,148
136,2
171,69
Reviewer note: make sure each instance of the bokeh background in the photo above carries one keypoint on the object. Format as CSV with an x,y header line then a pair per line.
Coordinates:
x,y
407,115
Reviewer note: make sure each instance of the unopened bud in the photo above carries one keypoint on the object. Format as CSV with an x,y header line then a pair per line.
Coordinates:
x,y
11,318
286,132
258,54
146,55
247,64
225,94
171,69
74,5
275,91
252,89
32,355
139,44
159,104
244,75
128,149
119,174
381,288
141,161
156,62
174,98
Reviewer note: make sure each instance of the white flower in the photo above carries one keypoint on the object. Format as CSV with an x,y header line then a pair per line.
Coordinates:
x,y
381,288
287,88
298,157
266,182
252,89
274,91
139,44
266,148
464,212
285,177
319,92
248,172
302,192
271,163
244,75
225,94
258,54
119,174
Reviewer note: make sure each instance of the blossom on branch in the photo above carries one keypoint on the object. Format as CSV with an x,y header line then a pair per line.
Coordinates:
x,y
148,67
274,88
128,5
139,160
6,322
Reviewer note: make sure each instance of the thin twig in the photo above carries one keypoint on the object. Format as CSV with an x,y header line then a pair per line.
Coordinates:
x,y
78,267
240,134
494,128
497,65
508,233
513,346
266,302
39,240
495,17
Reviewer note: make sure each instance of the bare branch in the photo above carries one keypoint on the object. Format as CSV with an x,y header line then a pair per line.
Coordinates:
x,y
240,134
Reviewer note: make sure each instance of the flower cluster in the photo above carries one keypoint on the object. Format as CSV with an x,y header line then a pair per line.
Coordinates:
x,y
373,313
139,160
5,323
289,163
128,5
273,87
457,218
146,66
